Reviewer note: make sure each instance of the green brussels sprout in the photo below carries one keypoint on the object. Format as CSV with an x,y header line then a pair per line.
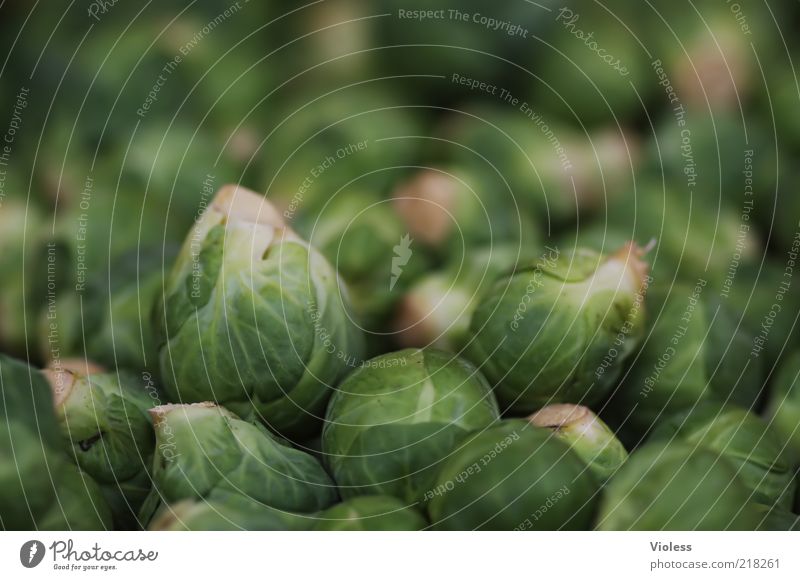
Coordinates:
x,y
676,487
370,513
30,448
437,309
20,233
203,449
744,440
775,519
254,318
362,236
513,477
586,434
554,172
560,329
111,320
107,430
395,419
452,210
595,70
224,511
693,353
755,293
783,405
688,239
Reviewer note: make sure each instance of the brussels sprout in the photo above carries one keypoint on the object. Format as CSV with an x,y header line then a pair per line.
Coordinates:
x,y
553,172
676,487
437,309
364,239
693,353
254,318
224,511
202,450
41,488
775,519
596,70
754,451
586,434
560,329
513,477
108,432
111,320
452,210
783,406
370,513
20,232
394,420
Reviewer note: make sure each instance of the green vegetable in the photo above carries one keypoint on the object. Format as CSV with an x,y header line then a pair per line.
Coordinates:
x,y
225,511
676,487
111,321
42,489
755,452
783,406
513,477
203,450
586,434
396,418
437,309
695,351
560,329
254,318
108,432
370,513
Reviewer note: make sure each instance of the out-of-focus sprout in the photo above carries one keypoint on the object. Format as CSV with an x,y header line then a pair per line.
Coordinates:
x,y
437,309
588,436
370,513
559,330
744,440
693,353
783,406
676,487
111,320
203,450
20,294
513,477
108,432
394,420
225,511
42,489
254,318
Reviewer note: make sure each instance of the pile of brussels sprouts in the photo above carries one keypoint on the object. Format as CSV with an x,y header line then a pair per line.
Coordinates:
x,y
263,412
441,310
